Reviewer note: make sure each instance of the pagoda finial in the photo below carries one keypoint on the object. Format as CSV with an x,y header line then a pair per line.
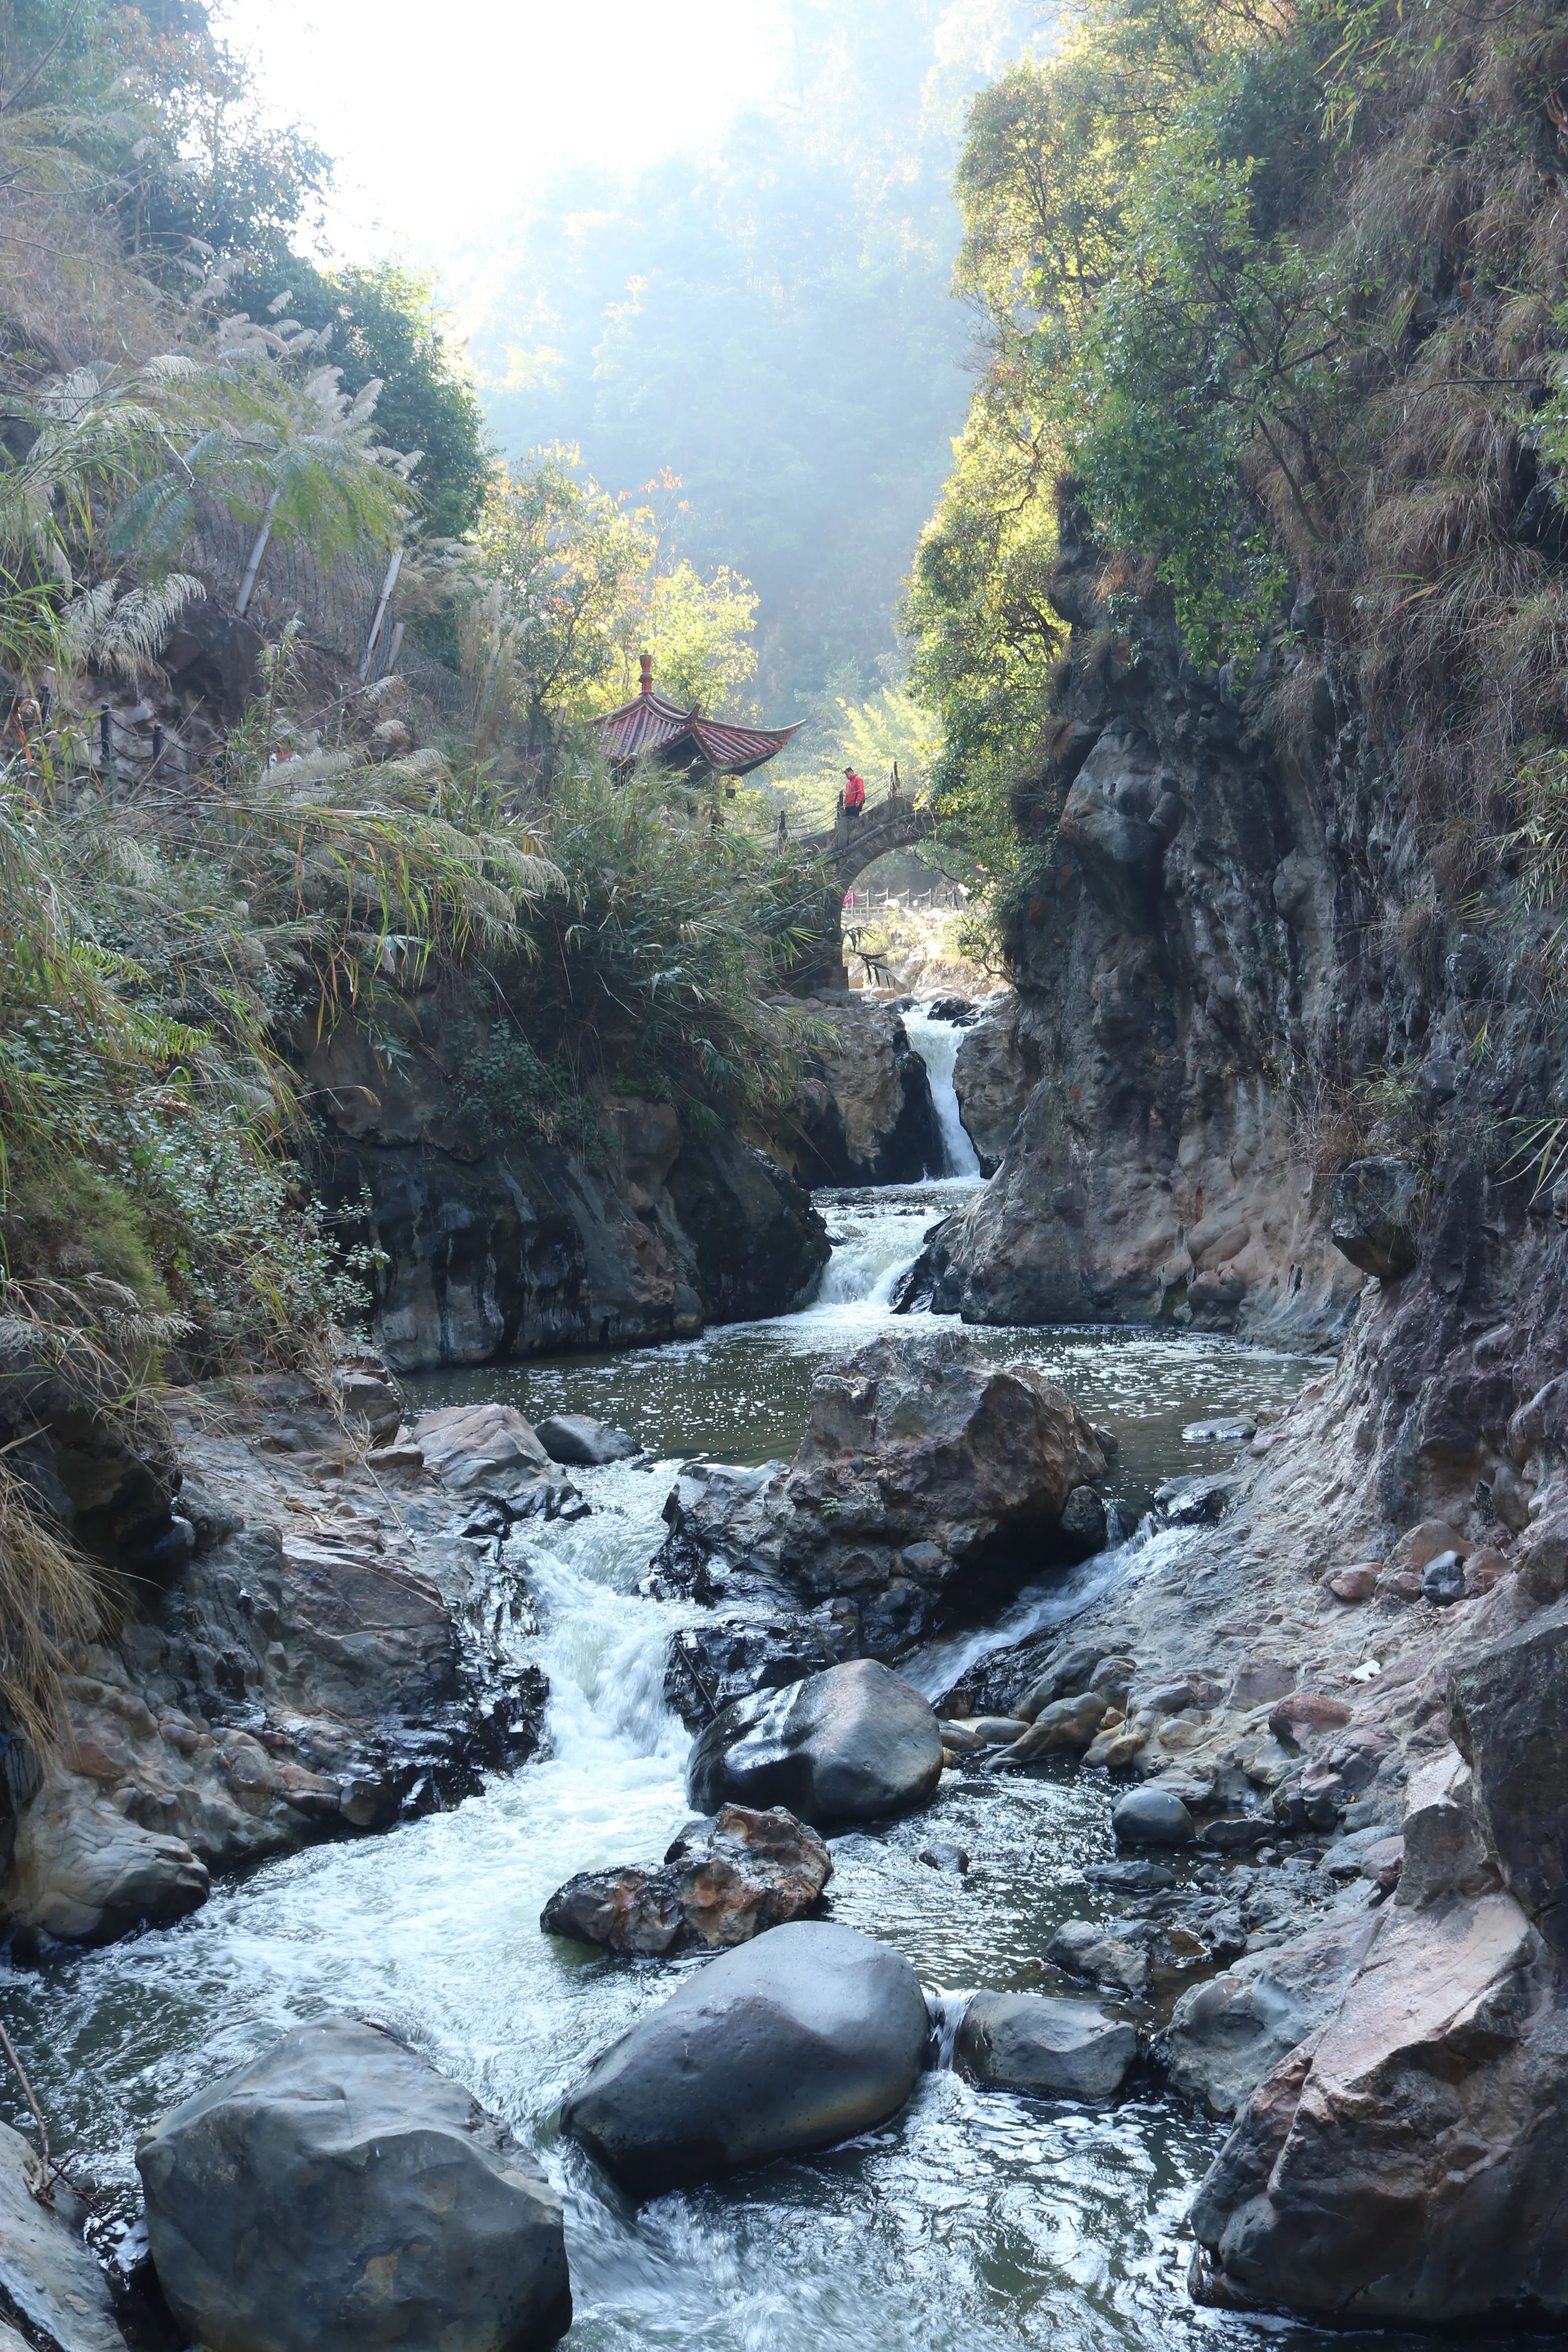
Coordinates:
x,y
646,684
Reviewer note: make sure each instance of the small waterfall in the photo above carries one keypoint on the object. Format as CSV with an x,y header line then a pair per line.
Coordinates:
x,y
936,1043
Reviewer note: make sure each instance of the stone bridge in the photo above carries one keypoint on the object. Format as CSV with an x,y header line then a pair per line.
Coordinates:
x,y
856,842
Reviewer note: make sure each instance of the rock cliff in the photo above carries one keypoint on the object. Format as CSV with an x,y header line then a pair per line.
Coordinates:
x,y
1233,967
498,1243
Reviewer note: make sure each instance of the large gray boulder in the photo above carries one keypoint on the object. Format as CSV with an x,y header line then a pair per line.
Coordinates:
x,y
804,2038
583,1443
338,2194
1053,2049
850,1745
1512,1726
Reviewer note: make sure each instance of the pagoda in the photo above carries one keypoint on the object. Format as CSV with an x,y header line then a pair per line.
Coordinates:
x,y
652,725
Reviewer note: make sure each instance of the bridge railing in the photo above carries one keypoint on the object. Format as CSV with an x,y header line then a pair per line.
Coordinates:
x,y
942,894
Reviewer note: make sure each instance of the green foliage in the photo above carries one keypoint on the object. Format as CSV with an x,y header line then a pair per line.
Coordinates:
x,y
385,326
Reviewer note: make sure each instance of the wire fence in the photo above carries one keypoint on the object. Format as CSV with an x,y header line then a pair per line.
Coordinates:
x,y
942,895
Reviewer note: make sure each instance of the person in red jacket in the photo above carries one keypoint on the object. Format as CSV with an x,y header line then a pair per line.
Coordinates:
x,y
854,792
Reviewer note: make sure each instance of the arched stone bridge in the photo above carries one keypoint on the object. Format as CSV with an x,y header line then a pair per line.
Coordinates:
x,y
856,842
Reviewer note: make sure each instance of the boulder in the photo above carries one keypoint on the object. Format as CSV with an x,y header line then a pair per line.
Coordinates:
x,y
583,1444
996,1071
1219,1432
721,1883
81,1872
806,2037
1445,1845
1443,1578
1053,2049
482,1449
1227,2035
929,1480
952,1859
338,2193
1153,1816
49,2279
1085,1948
1372,1207
1400,2169
850,1745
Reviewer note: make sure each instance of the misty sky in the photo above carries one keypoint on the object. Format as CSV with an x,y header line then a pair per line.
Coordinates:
x,y
440,117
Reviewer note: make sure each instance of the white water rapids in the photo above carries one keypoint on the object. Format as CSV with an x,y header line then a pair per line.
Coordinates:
x,y
937,1042
975,2221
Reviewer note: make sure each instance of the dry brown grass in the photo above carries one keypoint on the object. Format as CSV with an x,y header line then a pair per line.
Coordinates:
x,y
53,1600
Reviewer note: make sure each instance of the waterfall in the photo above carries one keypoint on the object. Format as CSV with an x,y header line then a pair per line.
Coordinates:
x,y
936,1043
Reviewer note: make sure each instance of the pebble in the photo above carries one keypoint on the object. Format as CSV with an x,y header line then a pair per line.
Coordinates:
x,y
950,1858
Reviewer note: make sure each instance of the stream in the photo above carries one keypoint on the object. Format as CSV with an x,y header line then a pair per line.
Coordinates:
x,y
976,2218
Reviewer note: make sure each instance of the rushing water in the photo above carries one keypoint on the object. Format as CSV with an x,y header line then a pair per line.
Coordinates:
x,y
936,1043
973,2221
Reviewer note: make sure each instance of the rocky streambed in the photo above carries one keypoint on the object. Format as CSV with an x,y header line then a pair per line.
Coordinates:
x,y
971,2212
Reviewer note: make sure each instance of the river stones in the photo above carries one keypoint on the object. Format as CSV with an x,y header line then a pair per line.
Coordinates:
x,y
337,2194
1225,2036
1153,1816
482,1449
804,2038
720,1885
582,1443
850,1745
1053,2049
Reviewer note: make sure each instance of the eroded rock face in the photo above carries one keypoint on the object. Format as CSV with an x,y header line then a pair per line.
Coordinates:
x,y
808,2036
1227,2035
862,1111
48,2276
929,1480
721,1883
1511,1720
853,1743
1401,2167
338,2193
515,1247
996,1070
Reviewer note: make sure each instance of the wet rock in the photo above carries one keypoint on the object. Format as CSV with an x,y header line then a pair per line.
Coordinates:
x,y
1150,1816
1399,2169
996,1071
337,2193
1132,1877
83,1872
1084,1523
1051,2049
1196,1500
1227,2035
1237,1833
709,1664
1443,1580
1219,1432
583,1443
1372,1209
1082,1948
806,2037
746,1871
1069,1669
850,1745
725,1526
950,1859
48,2280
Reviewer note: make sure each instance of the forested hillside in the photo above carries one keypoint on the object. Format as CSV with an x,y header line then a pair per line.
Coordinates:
x,y
768,317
